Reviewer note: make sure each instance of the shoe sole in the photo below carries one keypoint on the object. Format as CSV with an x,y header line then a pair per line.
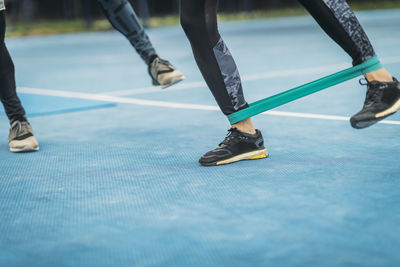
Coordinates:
x,y
258,154
172,82
25,149
378,117
393,109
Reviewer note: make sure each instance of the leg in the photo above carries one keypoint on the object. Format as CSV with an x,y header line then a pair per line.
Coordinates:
x,y
21,137
340,23
199,21
122,16
8,95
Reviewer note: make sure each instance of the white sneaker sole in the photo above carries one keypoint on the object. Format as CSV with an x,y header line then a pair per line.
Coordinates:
x,y
25,149
393,109
29,144
173,82
168,79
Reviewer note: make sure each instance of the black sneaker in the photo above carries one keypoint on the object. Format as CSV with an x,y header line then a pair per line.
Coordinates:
x,y
382,100
236,146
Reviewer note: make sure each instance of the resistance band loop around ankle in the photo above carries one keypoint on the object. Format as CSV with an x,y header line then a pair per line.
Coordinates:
x,y
277,100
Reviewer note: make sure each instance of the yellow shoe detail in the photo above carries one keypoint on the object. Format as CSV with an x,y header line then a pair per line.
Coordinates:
x,y
257,154
260,156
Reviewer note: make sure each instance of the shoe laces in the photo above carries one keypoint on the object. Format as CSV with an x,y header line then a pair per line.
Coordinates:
x,y
373,91
233,137
161,64
363,81
19,127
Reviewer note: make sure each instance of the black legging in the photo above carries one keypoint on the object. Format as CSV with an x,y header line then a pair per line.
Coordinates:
x,y
199,21
8,95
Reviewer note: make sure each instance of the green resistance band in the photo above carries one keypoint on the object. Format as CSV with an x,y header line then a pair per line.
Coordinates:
x,y
280,99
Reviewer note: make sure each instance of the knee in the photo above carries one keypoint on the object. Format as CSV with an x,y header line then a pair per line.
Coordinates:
x,y
197,25
188,24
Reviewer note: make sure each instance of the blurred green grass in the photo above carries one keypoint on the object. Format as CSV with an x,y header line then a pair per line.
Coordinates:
x,y
62,26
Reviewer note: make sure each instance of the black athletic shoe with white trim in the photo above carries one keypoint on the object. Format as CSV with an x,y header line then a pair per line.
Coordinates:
x,y
382,100
236,146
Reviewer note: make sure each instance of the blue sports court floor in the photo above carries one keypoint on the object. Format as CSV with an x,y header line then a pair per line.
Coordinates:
x,y
117,183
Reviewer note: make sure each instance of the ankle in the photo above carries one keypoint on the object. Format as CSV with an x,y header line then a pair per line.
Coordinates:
x,y
151,59
18,118
381,75
245,126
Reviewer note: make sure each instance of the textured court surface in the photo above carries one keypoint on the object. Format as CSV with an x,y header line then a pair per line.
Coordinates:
x,y
120,186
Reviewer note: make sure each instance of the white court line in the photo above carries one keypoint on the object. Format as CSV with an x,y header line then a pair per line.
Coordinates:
x,y
249,77
145,90
114,99
128,100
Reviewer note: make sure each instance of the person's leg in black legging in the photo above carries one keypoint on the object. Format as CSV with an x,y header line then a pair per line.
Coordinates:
x,y
123,18
8,95
199,21
338,20
21,137
340,23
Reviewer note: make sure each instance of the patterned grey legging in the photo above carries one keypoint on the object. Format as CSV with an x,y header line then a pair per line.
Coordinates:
x,y
123,18
199,21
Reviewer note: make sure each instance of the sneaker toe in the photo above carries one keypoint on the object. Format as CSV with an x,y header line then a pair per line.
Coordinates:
x,y
169,79
212,157
363,120
26,145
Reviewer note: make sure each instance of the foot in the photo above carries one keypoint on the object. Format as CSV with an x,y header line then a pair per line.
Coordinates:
x,y
236,146
21,137
382,100
163,73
